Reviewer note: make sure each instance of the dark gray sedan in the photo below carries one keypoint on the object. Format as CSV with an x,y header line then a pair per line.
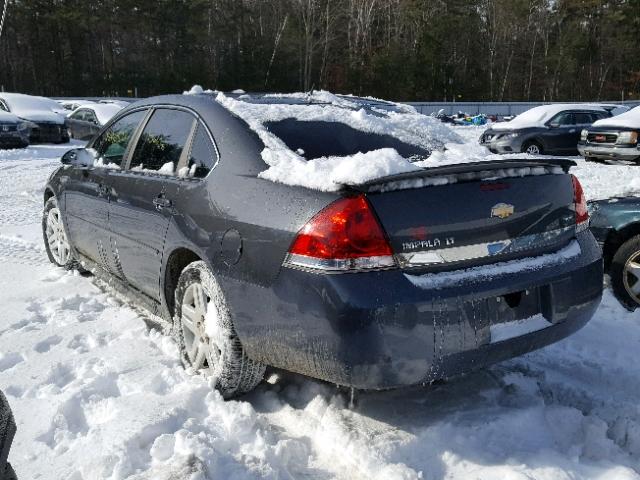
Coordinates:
x,y
547,129
399,280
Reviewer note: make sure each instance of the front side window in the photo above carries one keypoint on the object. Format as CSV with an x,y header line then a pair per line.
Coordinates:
x,y
162,141
202,157
79,115
112,144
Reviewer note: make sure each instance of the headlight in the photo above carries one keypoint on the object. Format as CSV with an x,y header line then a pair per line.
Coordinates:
x,y
22,126
512,134
583,135
627,137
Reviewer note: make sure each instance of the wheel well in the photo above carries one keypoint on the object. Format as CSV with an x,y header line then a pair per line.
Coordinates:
x,y
615,239
48,193
178,260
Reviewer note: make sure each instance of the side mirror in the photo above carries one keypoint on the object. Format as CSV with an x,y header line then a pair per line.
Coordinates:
x,y
554,125
79,157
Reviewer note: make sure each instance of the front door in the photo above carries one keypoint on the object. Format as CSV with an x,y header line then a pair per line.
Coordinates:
x,y
561,137
87,191
143,199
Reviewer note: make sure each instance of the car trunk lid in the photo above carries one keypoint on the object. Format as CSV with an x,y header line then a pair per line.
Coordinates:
x,y
476,213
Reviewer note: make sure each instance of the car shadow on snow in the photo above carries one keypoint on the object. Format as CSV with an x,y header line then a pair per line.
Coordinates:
x,y
502,419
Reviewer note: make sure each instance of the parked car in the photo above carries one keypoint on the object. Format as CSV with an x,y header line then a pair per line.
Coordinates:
x,y
614,138
380,284
7,432
546,129
88,119
13,131
615,222
46,116
72,104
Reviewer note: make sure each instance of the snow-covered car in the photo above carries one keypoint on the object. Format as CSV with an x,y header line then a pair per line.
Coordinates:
x,y
115,101
614,138
14,132
46,117
72,104
615,222
314,238
88,119
546,129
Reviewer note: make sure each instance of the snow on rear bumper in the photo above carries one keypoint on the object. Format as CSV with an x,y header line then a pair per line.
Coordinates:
x,y
380,330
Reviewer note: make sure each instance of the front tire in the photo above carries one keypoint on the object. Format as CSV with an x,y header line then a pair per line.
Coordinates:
x,y
204,331
532,148
56,241
625,273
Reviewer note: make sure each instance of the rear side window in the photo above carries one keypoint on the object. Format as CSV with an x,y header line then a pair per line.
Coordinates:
x,y
599,116
162,141
203,154
112,144
583,118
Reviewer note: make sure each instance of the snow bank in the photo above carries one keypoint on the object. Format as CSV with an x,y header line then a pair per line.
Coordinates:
x,y
630,119
331,173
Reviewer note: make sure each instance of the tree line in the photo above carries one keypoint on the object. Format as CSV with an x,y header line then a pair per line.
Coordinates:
x,y
465,50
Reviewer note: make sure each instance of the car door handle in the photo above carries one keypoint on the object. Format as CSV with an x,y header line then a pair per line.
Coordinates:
x,y
573,130
162,203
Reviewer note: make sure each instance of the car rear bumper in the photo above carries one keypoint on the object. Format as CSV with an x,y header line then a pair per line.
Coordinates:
x,y
381,330
612,152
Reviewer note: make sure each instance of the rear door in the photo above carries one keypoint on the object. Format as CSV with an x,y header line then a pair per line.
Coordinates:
x,y
583,120
86,191
143,198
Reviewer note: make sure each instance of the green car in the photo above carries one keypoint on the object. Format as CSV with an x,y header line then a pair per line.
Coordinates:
x,y
615,223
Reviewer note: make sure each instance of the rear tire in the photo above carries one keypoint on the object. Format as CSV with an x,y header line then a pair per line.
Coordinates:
x,y
625,273
204,331
56,242
532,148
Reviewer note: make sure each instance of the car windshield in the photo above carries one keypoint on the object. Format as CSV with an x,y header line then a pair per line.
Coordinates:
x,y
316,139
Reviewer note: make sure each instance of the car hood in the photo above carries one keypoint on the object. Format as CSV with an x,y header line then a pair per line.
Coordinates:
x,y
42,116
6,117
630,119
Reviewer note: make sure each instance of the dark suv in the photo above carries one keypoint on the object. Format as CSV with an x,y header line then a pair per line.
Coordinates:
x,y
399,280
546,129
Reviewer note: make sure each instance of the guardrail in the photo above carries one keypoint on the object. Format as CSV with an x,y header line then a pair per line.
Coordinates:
x,y
500,109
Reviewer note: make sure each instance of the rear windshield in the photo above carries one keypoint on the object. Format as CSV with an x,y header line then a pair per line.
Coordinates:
x,y
316,139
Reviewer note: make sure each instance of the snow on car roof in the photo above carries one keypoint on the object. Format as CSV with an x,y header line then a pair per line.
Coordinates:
x,y
538,116
630,119
331,173
19,103
104,111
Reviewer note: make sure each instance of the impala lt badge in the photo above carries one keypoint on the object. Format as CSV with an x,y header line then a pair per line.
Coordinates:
x,y
502,210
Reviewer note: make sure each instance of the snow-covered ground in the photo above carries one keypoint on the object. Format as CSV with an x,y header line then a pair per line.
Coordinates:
x,y
97,394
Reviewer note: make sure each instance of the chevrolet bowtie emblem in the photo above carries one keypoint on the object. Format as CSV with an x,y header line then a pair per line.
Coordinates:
x,y
502,210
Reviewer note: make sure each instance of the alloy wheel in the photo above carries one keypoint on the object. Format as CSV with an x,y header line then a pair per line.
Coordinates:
x,y
533,149
57,238
631,276
203,352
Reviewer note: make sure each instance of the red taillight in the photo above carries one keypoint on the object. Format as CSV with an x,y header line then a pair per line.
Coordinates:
x,y
580,204
344,236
